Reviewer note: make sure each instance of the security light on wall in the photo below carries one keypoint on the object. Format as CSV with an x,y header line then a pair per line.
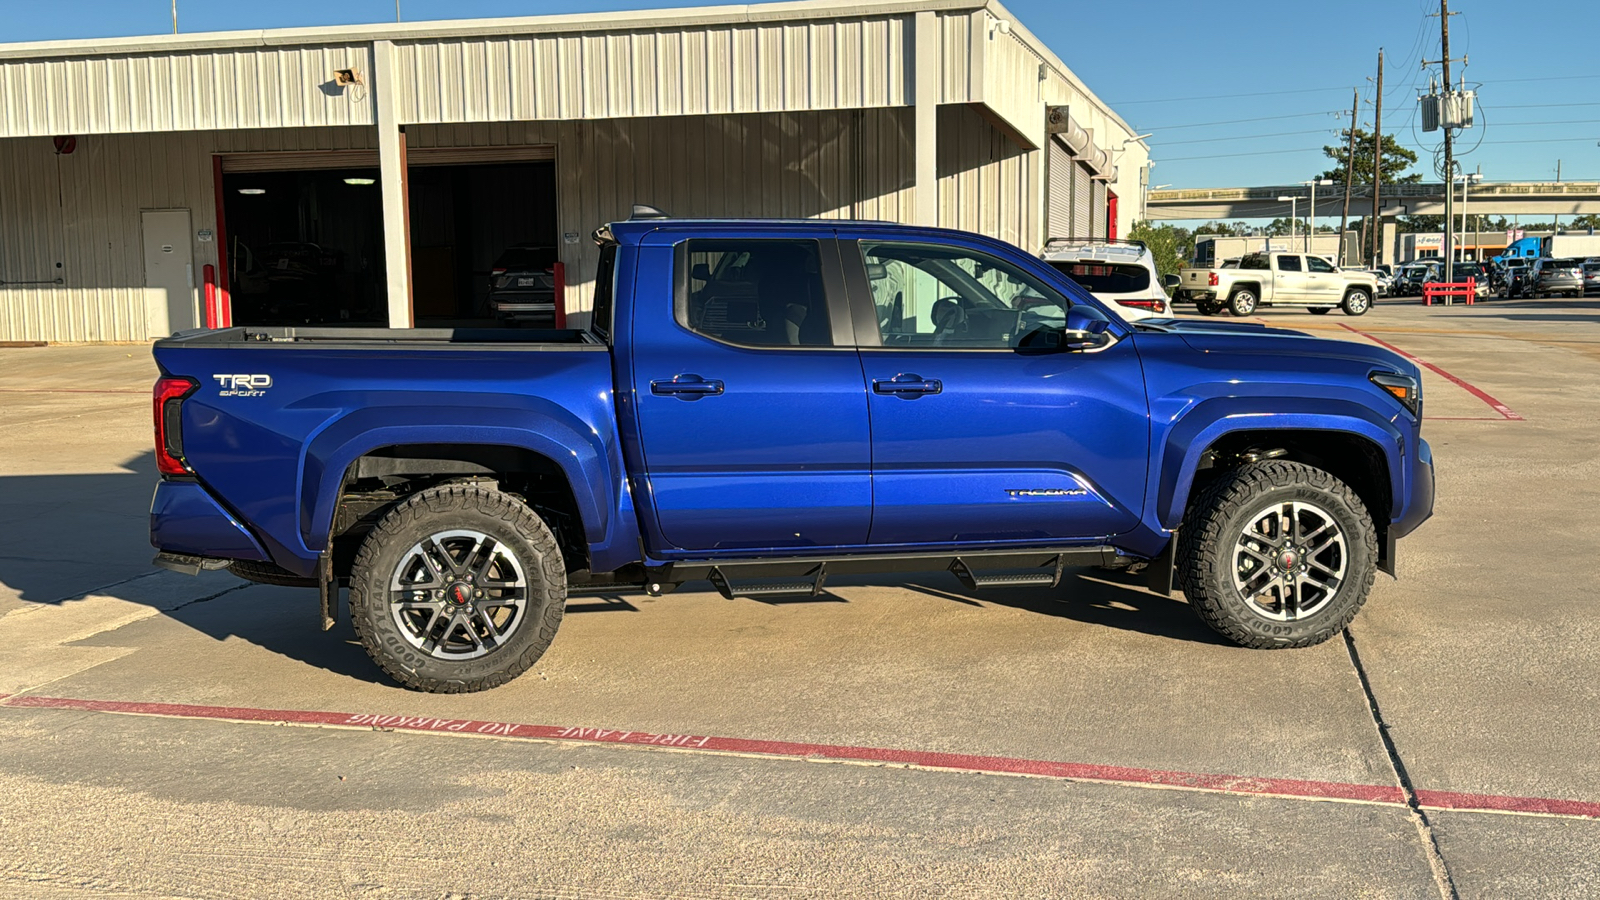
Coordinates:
x,y
252,191
360,180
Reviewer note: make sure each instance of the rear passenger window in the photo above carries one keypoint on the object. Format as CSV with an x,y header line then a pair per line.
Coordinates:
x,y
757,293
1288,264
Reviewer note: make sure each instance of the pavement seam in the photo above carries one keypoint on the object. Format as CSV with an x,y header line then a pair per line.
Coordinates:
x,y
1419,817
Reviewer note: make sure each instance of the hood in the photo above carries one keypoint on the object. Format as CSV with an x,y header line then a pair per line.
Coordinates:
x,y
1242,337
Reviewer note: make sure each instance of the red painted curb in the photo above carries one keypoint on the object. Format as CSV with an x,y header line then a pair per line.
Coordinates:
x,y
1504,411
1228,784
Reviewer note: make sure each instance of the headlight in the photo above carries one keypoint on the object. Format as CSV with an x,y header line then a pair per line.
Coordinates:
x,y
1404,388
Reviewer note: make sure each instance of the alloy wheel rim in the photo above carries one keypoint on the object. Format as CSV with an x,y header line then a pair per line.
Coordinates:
x,y
1289,561
458,595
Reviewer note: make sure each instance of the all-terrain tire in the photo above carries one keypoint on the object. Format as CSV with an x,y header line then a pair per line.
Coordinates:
x,y
442,510
1356,302
1208,554
268,573
1242,302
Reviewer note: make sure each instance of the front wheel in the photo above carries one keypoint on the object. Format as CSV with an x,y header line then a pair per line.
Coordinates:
x,y
1242,302
460,588
1320,310
1277,554
1356,303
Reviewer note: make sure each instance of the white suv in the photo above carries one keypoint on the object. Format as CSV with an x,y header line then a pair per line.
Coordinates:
x,y
1121,274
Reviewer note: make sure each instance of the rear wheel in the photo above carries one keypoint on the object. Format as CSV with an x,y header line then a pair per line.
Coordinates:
x,y
1356,302
1277,554
1242,302
460,588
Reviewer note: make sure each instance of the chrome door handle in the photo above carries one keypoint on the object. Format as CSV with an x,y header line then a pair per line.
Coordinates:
x,y
913,385
686,387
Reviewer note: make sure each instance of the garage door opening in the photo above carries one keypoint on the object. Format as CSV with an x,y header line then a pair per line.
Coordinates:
x,y
305,247
483,242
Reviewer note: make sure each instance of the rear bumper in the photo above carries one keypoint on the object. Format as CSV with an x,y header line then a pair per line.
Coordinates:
x,y
186,519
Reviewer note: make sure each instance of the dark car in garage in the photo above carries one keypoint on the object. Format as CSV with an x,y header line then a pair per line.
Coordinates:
x,y
522,286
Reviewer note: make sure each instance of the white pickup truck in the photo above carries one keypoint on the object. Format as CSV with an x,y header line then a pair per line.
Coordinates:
x,y
1278,279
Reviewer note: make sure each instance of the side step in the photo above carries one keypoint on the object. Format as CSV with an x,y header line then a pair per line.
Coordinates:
x,y
975,580
729,590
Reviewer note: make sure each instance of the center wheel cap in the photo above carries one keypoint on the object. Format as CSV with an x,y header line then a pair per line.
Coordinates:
x,y
1288,559
458,594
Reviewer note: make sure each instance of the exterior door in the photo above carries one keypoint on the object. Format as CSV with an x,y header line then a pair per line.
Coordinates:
x,y
1324,283
751,413
169,272
1289,281
977,437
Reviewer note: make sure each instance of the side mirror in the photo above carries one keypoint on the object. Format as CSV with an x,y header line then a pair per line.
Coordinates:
x,y
1084,319
1171,281
700,272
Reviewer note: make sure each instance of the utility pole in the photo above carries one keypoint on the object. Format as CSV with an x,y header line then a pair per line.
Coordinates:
x,y
1449,145
175,24
1377,167
1349,170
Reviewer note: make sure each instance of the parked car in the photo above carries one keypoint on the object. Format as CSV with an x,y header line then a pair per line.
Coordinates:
x,y
1514,276
522,286
1279,279
1556,276
1478,272
1591,275
992,419
1382,279
1120,273
1413,276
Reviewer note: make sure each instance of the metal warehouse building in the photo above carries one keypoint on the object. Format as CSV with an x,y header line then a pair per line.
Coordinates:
x,y
374,175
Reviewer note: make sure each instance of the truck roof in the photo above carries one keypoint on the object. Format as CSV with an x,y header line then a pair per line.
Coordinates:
x,y
630,231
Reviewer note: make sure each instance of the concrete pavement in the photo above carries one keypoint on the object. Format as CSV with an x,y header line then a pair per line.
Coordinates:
x,y
1481,659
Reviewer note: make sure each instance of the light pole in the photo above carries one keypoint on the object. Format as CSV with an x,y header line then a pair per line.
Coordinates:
x,y
1311,225
1472,178
1293,216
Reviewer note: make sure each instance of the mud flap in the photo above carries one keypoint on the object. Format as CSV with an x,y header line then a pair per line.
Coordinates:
x,y
327,590
1160,570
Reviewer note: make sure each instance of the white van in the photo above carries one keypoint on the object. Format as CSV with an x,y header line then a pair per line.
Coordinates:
x,y
1119,273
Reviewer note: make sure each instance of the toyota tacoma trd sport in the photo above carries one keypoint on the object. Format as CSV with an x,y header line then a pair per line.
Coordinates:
x,y
764,405
1278,279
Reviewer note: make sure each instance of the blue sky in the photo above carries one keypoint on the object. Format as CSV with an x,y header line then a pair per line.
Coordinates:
x,y
1288,67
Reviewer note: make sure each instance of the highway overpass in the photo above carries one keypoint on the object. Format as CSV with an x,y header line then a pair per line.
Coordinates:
x,y
1537,199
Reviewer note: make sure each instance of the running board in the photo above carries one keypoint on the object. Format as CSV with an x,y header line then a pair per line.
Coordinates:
x,y
729,590
805,575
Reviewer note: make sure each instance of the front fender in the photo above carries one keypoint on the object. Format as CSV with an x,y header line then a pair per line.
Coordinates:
x,y
590,463
1202,424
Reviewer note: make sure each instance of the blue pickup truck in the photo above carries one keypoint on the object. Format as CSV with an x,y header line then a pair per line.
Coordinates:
x,y
763,405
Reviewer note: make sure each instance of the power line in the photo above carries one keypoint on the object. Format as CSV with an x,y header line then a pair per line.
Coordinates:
x,y
1231,96
1328,112
1246,137
1231,155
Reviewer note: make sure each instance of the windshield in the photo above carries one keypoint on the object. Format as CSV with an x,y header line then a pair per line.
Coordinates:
x,y
1101,278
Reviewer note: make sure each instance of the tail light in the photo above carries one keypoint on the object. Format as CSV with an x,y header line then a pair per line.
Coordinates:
x,y
1212,282
1152,305
167,399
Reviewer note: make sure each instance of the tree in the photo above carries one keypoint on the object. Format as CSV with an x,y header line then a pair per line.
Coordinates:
x,y
1396,160
1171,246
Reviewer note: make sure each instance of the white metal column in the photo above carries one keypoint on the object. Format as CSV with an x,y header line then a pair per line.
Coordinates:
x,y
925,96
392,169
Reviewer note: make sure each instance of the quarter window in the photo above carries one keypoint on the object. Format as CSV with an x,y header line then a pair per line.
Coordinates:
x,y
760,293
929,295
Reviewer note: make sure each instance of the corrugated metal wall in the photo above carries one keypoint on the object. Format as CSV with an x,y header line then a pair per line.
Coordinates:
x,y
276,87
817,64
83,210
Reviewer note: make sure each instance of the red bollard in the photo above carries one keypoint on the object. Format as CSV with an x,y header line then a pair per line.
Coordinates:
x,y
210,275
560,272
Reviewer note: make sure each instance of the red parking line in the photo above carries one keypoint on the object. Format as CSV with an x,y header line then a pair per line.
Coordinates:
x,y
1124,775
1504,411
